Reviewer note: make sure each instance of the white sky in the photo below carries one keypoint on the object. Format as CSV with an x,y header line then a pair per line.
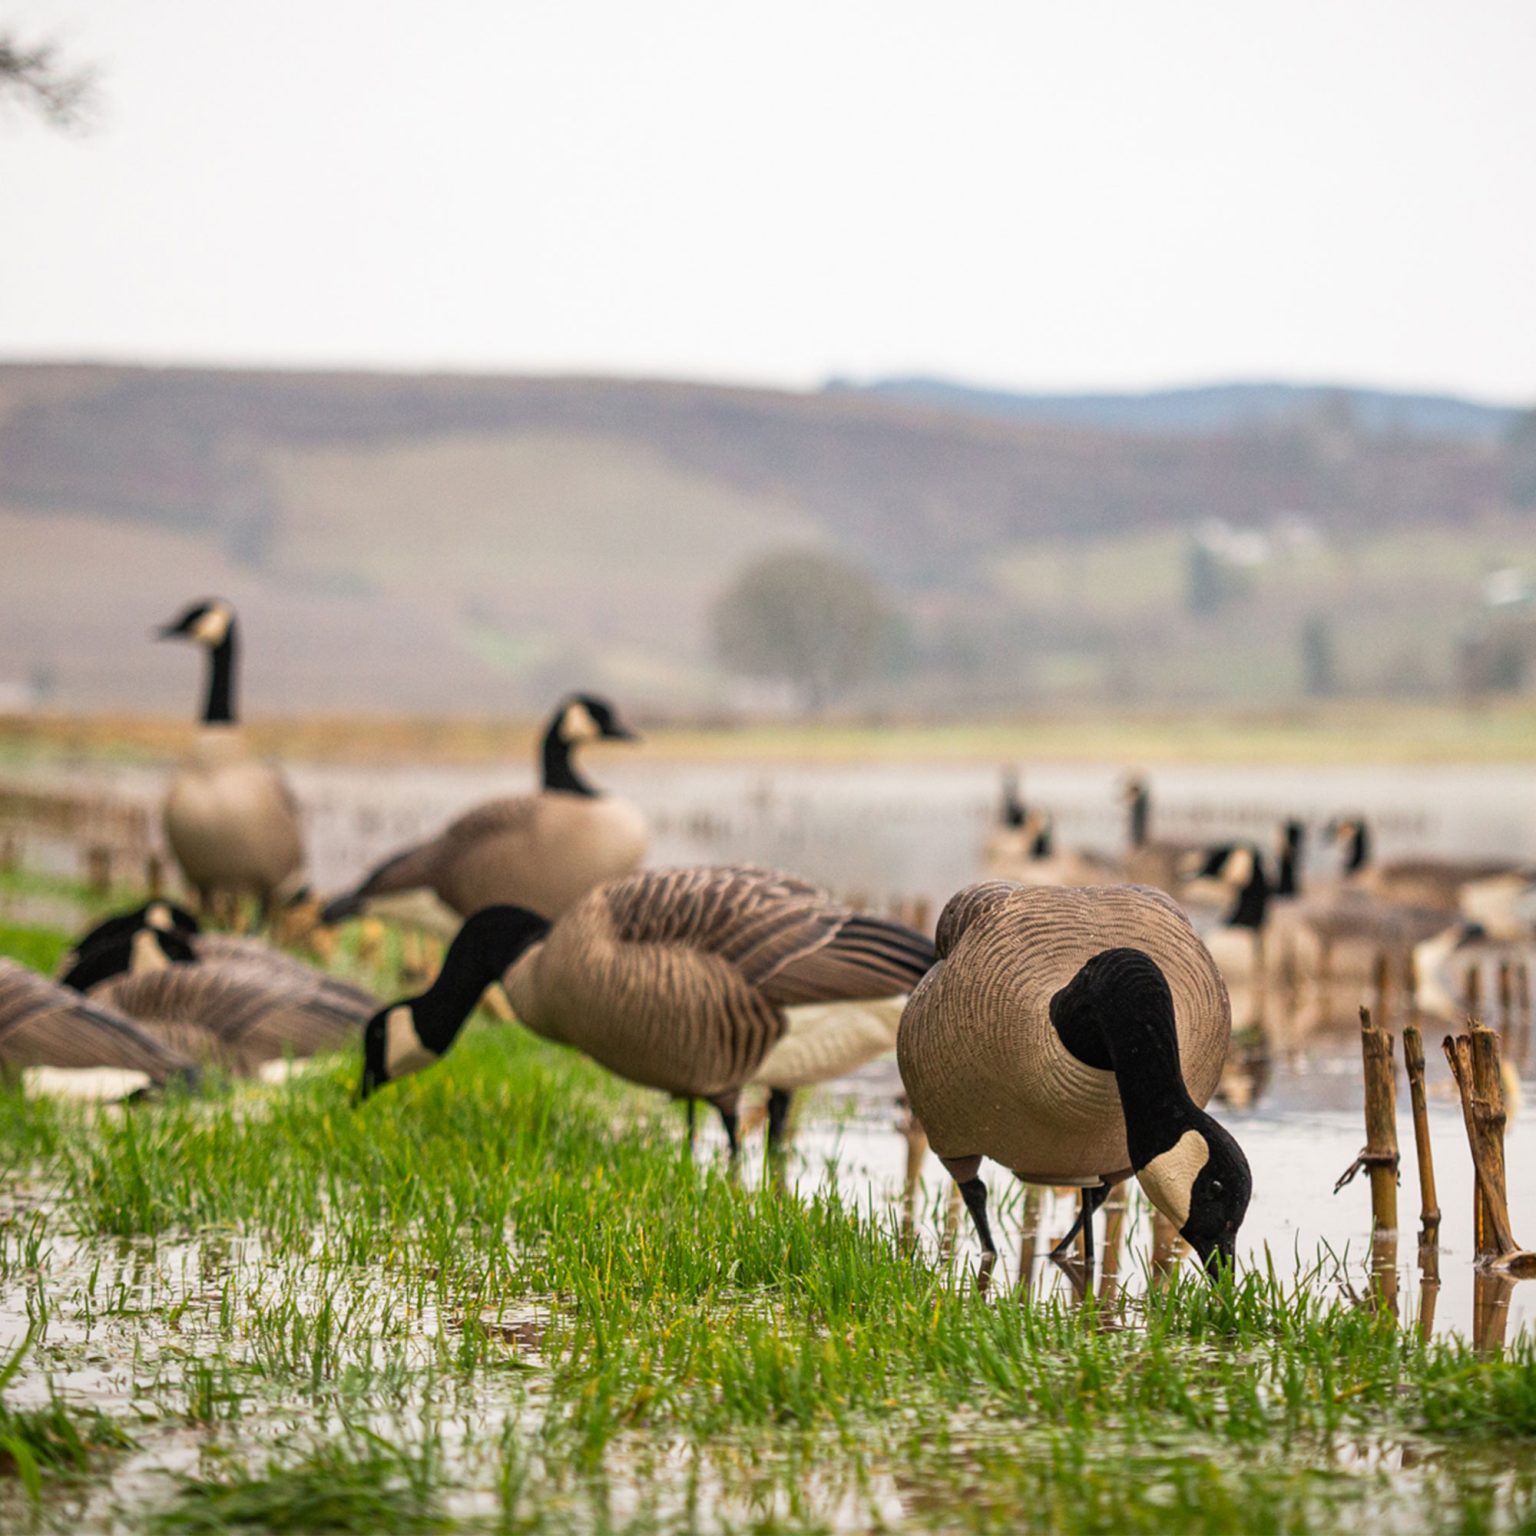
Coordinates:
x,y
1035,193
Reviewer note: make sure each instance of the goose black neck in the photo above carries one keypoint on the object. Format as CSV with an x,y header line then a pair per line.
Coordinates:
x,y
1252,901
486,946
1140,816
559,767
1116,1015
1044,843
1357,852
1013,806
220,708
1290,854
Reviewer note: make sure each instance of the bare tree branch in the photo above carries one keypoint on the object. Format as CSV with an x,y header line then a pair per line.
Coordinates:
x,y
40,78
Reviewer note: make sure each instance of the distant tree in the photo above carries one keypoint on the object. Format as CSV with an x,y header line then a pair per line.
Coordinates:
x,y
40,78
1520,449
1319,658
809,619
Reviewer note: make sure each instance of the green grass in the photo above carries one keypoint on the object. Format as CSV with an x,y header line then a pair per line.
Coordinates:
x,y
501,1296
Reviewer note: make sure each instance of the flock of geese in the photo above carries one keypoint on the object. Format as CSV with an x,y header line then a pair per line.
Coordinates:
x,y
1068,1021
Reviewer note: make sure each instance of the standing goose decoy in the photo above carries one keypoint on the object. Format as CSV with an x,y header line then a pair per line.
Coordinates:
x,y
696,981
231,819
1429,884
46,1025
236,1018
1074,1036
542,851
1149,860
1237,876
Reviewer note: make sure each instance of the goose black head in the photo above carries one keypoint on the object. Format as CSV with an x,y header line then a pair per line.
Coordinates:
x,y
417,1031
1202,1184
586,717
1350,836
1117,1014
1011,813
147,940
208,623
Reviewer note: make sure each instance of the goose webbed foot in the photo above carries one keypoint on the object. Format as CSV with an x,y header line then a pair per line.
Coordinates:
x,y
1090,1200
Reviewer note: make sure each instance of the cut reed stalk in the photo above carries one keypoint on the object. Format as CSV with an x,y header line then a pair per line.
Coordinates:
x,y
1380,1156
1429,1199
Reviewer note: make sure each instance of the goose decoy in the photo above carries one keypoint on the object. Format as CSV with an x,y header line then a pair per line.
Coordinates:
x,y
542,851
231,820
1073,1036
237,1018
696,981
1149,860
1417,881
159,934
1236,875
46,1025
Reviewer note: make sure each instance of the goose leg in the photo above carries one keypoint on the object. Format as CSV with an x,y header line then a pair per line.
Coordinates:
x,y
1090,1200
778,1118
974,1193
728,1104
693,1105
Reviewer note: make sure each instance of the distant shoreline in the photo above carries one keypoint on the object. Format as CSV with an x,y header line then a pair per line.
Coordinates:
x,y
1338,733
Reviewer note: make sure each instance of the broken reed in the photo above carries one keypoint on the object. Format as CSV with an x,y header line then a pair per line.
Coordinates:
x,y
1380,1156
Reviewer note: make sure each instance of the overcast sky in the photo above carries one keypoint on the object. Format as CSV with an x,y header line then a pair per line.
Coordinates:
x,y
1034,193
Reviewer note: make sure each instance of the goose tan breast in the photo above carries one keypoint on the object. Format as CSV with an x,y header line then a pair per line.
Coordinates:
x,y
565,846
230,819
983,1066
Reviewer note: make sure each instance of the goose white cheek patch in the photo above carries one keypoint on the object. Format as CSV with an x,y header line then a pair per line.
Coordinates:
x,y
212,627
146,954
403,1051
1169,1179
578,724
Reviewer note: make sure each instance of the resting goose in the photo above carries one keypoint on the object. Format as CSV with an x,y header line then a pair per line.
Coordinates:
x,y
541,851
696,981
1035,861
160,934
231,820
1073,1036
237,1018
44,1024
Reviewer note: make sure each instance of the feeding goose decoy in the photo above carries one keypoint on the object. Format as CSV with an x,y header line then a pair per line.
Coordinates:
x,y
696,981
237,1018
1073,1036
542,851
231,820
46,1025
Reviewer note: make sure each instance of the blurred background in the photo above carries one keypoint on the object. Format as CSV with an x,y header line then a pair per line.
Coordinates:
x,y
872,360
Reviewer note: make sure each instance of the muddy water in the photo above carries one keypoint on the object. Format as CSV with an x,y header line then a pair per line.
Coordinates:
x,y
916,831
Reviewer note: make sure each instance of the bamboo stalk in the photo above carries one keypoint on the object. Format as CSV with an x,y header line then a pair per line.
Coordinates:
x,y
1380,1155
1474,1061
1429,1199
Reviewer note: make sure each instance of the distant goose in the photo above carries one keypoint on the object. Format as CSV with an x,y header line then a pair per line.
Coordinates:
x,y
231,819
1236,875
46,1025
1073,1036
542,851
1418,881
1149,860
1033,858
237,1018
160,934
696,981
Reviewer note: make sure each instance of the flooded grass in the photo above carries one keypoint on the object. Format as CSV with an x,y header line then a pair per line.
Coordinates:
x,y
502,1296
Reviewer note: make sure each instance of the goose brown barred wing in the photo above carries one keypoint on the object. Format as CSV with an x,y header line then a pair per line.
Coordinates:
x,y
229,1015
45,1025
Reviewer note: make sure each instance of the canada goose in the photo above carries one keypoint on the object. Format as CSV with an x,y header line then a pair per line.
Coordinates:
x,y
1422,882
696,981
44,1024
1236,876
159,934
236,1017
231,819
541,851
1034,859
1148,860
1073,1036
